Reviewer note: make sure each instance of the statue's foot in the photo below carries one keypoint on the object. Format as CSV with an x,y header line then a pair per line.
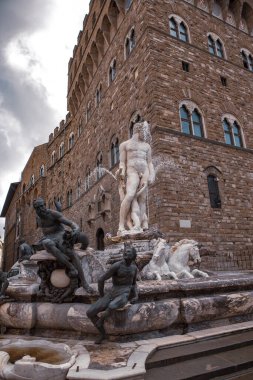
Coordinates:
x,y
89,290
122,231
100,339
137,229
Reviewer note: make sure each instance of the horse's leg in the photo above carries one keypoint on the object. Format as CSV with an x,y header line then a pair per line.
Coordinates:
x,y
173,275
185,274
199,273
157,276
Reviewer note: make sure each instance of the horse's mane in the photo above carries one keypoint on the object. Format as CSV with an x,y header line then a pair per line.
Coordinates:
x,y
180,243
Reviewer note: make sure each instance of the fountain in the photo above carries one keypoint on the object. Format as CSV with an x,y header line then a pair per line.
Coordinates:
x,y
175,295
21,359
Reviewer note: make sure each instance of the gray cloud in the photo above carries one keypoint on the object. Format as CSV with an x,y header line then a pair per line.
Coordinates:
x,y
25,115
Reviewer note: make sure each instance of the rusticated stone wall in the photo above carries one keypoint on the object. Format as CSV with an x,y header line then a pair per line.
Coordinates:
x,y
150,82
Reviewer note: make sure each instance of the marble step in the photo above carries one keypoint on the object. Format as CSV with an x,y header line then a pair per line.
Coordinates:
x,y
208,359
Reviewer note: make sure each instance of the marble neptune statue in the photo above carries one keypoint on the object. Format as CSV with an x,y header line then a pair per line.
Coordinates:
x,y
135,173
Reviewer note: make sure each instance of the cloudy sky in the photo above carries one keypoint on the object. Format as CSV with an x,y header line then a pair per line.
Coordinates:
x,y
36,41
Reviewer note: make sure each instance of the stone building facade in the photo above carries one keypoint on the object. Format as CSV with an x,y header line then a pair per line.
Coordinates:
x,y
187,68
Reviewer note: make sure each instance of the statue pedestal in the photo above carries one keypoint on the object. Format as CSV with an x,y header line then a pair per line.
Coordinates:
x,y
141,241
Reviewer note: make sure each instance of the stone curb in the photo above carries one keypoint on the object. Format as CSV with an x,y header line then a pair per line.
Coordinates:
x,y
114,374
135,369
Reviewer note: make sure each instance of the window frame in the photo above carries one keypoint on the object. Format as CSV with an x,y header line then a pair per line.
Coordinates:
x,y
192,124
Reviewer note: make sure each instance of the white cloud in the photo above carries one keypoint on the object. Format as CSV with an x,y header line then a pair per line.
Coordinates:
x,y
35,46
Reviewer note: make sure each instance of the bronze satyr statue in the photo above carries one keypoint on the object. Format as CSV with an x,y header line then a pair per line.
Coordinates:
x,y
124,289
60,242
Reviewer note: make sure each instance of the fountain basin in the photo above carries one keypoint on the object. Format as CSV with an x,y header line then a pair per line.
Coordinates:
x,y
35,359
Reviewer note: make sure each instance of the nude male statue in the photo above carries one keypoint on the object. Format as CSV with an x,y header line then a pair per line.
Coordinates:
x,y
136,172
123,274
56,239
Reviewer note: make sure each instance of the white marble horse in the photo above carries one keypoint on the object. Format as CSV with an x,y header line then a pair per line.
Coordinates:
x,y
157,268
180,256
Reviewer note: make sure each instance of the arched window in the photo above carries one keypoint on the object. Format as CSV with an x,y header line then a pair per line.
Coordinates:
x,y
217,10
88,111
69,198
129,42
79,130
185,120
87,181
99,166
211,45
42,170
197,124
173,27
183,35
134,119
78,192
53,157
32,180
232,132
94,19
178,28
219,49
99,94
100,239
61,150
71,140
227,132
214,193
112,71
215,46
114,152
247,60
191,120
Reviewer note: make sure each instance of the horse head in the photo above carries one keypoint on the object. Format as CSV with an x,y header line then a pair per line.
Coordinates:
x,y
159,255
184,251
194,253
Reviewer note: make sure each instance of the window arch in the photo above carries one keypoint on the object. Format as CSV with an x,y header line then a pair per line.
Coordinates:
x,y
232,131
191,119
215,46
114,150
69,198
135,118
112,71
78,192
42,170
53,157
130,42
214,193
32,180
217,9
94,19
247,59
87,181
99,94
99,162
71,140
61,150
178,28
88,111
